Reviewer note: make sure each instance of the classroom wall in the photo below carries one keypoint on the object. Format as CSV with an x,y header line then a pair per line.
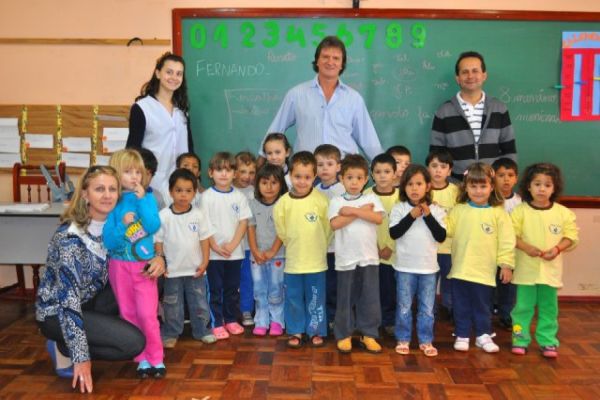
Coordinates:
x,y
101,74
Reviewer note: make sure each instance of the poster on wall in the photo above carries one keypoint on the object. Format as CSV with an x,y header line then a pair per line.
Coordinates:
x,y
580,76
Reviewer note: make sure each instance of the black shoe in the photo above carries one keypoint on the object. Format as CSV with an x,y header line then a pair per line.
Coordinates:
x,y
145,373
159,372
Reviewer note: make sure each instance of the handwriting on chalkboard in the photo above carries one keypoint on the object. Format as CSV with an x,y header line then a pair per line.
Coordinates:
x,y
251,102
228,70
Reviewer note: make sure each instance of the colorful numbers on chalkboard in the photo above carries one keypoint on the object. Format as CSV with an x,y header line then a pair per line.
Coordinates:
x,y
270,34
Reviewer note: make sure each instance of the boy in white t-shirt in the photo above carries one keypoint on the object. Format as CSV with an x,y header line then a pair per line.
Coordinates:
x,y
228,211
183,239
354,218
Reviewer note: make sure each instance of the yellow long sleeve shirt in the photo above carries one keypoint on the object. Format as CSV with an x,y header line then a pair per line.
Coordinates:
x,y
303,227
445,198
383,229
482,239
543,229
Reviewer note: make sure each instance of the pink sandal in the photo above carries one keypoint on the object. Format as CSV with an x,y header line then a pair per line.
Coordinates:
x,y
275,329
220,333
234,328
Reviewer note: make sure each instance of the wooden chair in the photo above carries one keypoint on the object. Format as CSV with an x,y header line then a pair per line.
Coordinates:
x,y
29,179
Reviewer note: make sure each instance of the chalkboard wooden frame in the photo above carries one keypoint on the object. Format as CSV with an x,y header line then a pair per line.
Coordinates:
x,y
178,14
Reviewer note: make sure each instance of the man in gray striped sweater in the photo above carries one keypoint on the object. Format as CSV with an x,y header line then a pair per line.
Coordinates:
x,y
472,126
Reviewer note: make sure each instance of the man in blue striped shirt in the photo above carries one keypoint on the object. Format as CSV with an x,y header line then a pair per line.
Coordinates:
x,y
472,126
325,110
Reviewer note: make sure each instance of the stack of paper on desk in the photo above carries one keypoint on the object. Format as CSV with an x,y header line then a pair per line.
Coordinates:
x,y
24,207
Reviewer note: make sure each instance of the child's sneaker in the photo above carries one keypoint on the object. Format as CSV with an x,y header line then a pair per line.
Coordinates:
x,y
461,344
259,331
247,319
169,343
220,333
370,344
275,329
234,328
62,364
549,351
486,343
208,339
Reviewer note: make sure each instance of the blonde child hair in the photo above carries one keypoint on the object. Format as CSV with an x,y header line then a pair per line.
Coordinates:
x,y
128,158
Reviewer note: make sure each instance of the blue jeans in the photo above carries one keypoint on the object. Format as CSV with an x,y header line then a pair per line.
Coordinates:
x,y
305,304
246,292
268,292
193,290
445,263
472,307
424,287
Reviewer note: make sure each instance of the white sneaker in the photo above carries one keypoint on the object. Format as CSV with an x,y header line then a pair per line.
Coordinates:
x,y
461,344
486,343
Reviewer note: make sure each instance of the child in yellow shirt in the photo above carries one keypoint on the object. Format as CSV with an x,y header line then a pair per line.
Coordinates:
x,y
544,230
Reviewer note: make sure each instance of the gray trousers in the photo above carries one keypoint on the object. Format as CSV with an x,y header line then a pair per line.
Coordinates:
x,y
358,305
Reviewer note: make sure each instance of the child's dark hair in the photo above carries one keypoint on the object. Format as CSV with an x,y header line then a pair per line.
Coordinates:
x,y
183,156
328,151
222,159
442,155
412,170
150,161
304,158
183,174
398,150
507,163
354,161
265,172
541,168
479,172
244,158
277,136
150,88
384,158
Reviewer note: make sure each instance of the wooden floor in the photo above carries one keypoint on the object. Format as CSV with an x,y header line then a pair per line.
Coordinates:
x,y
263,368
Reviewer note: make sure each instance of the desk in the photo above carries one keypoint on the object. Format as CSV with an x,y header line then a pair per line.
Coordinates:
x,y
24,238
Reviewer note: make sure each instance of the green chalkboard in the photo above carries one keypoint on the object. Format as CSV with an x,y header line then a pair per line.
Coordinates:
x,y
240,64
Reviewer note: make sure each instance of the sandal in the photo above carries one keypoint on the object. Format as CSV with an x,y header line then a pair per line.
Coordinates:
x,y
519,350
294,342
402,348
428,349
317,341
220,333
549,351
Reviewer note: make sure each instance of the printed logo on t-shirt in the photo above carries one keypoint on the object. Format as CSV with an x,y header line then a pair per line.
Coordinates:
x,y
555,229
193,226
236,208
487,228
311,217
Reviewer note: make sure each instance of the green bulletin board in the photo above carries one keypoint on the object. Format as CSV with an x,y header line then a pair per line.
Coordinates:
x,y
240,63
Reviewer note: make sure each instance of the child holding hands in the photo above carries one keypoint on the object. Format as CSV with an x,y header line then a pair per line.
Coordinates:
x,y
267,252
544,230
418,226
